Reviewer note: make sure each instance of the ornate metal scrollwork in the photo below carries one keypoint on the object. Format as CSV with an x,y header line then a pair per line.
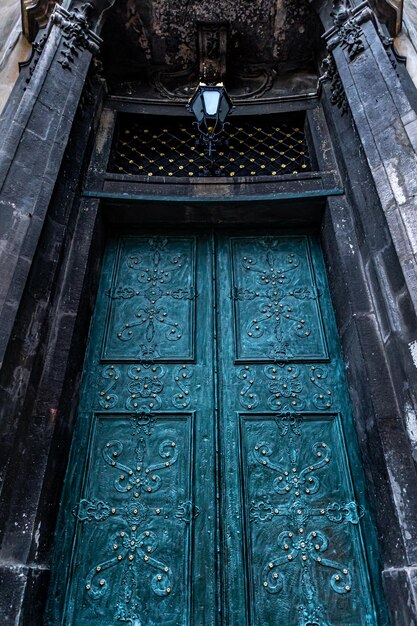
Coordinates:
x,y
247,397
110,375
296,545
156,291
134,545
182,399
145,387
277,296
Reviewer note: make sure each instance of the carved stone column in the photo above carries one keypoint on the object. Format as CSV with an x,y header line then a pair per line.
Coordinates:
x,y
34,133
364,82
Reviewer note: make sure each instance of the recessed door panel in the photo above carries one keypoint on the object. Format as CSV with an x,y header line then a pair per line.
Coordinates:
x,y
305,555
151,301
133,528
276,312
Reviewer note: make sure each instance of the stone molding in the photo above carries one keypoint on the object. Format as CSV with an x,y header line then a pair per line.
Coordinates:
x,y
337,92
77,34
347,31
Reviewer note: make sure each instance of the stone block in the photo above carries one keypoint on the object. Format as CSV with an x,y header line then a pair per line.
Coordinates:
x,y
13,581
400,588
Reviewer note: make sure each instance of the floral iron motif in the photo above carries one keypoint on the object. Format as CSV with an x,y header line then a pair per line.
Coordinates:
x,y
280,291
145,387
275,301
286,388
182,400
154,287
107,398
296,544
135,543
247,398
289,387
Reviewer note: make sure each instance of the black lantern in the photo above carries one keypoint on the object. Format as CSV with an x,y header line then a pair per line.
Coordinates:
x,y
210,105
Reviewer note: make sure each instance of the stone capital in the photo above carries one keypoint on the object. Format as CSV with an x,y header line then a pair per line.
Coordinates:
x,y
77,33
346,30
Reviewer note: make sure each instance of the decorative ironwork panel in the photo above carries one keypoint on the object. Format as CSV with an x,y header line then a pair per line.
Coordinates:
x,y
144,387
133,539
288,387
164,147
292,522
304,545
276,311
136,539
151,304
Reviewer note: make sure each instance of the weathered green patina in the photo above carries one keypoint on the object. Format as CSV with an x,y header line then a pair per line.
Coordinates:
x,y
214,476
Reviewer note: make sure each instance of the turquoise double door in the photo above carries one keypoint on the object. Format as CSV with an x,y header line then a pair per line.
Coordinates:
x,y
214,476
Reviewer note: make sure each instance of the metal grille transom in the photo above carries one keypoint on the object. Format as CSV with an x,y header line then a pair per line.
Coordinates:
x,y
170,147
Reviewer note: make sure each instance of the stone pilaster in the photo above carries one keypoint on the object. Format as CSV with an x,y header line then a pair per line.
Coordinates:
x,y
35,128
364,83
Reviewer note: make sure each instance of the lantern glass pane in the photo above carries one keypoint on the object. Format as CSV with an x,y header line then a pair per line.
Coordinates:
x,y
197,107
224,109
211,102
